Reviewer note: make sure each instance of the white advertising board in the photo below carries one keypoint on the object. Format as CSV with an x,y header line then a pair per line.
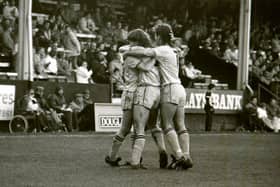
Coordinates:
x,y
108,117
7,98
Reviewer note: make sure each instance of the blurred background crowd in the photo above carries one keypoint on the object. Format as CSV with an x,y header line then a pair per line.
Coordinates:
x,y
80,40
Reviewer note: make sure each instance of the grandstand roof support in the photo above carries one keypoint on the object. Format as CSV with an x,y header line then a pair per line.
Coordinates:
x,y
244,44
25,46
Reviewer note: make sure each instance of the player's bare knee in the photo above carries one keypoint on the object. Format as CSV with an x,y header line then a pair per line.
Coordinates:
x,y
169,129
183,131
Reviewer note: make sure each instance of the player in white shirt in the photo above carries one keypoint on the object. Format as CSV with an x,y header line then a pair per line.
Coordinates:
x,y
132,66
173,96
146,104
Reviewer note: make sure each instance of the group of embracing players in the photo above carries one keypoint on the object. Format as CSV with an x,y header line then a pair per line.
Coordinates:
x,y
152,84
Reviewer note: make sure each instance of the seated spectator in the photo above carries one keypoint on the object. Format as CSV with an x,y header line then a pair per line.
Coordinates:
x,y
58,103
86,24
44,35
231,54
83,75
274,115
77,105
63,67
191,74
71,42
30,106
54,121
50,63
87,99
262,115
120,33
38,55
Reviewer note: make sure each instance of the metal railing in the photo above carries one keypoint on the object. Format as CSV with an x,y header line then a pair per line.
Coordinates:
x,y
268,91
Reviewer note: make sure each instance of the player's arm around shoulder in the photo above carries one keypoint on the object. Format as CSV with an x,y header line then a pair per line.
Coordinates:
x,y
146,64
148,52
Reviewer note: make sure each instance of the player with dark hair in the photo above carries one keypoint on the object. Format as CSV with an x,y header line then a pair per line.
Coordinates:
x,y
173,96
138,39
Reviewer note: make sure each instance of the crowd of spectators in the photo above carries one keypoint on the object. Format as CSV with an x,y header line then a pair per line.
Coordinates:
x,y
220,38
53,113
59,49
261,116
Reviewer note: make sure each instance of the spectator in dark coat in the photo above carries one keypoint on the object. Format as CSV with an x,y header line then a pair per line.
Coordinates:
x,y
55,122
58,103
100,69
251,112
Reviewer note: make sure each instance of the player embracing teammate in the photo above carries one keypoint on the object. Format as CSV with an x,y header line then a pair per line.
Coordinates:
x,y
140,101
172,100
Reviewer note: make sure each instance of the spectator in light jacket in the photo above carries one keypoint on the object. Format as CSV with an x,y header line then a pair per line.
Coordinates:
x,y
83,75
71,42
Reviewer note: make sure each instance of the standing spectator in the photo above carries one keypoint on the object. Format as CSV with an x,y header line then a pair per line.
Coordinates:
x,y
69,14
97,17
209,108
100,69
10,11
108,33
83,75
251,113
8,40
9,46
63,67
71,42
58,103
120,33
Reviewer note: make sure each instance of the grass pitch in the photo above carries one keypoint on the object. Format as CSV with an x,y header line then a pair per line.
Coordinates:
x,y
78,160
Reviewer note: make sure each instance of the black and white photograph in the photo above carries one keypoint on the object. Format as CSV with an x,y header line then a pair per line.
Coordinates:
x,y
133,93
